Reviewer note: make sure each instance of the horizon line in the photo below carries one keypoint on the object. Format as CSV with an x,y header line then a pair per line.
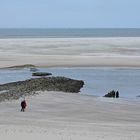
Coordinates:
x,y
69,28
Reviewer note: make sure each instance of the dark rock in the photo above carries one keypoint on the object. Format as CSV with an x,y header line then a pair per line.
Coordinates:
x,y
117,94
112,94
15,90
41,74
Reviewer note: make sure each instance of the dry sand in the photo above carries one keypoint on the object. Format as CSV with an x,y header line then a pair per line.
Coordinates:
x,y
124,52
61,116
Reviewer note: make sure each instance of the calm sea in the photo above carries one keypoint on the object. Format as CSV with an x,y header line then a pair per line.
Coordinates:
x,y
98,81
60,33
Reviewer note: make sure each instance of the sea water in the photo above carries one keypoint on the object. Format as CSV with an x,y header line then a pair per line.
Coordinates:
x,y
98,81
68,32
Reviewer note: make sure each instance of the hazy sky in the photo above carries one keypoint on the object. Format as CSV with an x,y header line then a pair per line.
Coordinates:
x,y
69,13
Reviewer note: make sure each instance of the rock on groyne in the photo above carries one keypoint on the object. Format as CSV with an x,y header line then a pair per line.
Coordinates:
x,y
15,90
41,74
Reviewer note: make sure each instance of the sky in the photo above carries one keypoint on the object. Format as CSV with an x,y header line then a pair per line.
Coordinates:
x,y
69,13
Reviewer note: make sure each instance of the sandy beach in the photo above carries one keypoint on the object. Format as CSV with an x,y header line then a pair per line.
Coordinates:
x,y
63,116
77,65
67,52
58,116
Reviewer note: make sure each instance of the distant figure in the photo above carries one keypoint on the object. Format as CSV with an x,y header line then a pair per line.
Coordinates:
x,y
117,94
23,105
113,93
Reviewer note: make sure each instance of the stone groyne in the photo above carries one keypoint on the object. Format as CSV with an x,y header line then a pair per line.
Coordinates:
x,y
15,90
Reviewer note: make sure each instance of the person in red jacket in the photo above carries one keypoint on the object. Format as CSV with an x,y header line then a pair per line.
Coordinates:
x,y
23,105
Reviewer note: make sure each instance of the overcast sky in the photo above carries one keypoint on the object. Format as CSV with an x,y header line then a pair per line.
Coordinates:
x,y
70,13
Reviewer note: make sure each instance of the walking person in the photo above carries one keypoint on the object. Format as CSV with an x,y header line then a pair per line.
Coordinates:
x,y
23,105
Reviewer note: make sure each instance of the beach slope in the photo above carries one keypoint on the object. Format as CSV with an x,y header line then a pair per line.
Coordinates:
x,y
60,116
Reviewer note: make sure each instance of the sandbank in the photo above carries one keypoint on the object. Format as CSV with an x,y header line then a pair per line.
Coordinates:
x,y
71,52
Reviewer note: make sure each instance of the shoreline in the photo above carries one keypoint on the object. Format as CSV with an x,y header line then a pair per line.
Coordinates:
x,y
16,67
73,61
84,66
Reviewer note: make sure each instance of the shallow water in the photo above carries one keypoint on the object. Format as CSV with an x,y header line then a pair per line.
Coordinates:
x,y
98,81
